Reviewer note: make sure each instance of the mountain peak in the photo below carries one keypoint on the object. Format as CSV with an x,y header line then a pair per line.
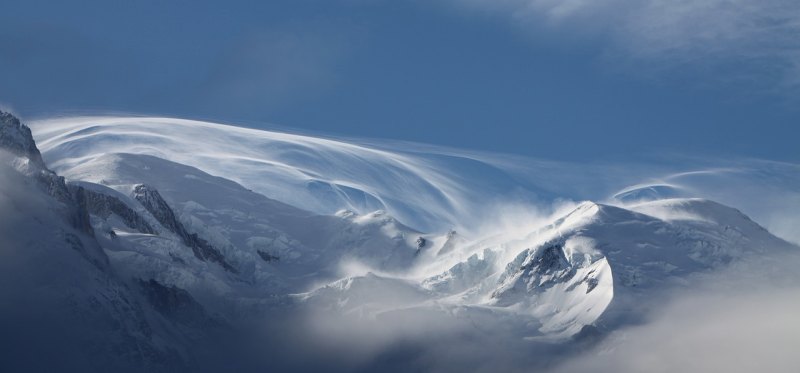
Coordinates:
x,y
16,138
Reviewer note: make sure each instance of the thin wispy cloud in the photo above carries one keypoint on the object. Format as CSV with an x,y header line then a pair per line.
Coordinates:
x,y
757,42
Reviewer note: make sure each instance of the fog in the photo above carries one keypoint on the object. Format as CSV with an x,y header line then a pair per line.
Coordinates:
x,y
741,318
37,275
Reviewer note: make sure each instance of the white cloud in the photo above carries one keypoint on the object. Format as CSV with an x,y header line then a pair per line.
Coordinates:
x,y
734,40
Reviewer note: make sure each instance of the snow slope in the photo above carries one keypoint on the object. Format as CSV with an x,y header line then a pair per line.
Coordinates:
x,y
321,175
595,261
158,257
258,246
769,192
63,306
426,187
200,219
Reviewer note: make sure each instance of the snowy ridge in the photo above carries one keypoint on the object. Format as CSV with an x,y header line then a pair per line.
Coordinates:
x,y
429,188
267,244
565,275
311,173
183,243
562,274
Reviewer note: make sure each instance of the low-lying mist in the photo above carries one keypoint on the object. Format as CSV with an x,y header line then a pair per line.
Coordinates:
x,y
739,318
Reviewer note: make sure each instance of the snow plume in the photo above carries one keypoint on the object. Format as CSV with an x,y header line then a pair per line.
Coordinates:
x,y
430,188
323,175
370,320
766,191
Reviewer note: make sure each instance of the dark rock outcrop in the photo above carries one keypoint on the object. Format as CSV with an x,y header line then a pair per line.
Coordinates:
x,y
536,270
176,304
546,267
547,260
158,207
16,139
103,205
267,257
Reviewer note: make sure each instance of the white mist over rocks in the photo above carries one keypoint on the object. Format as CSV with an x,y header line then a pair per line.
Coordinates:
x,y
737,319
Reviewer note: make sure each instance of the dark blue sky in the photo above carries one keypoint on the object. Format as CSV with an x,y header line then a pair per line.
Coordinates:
x,y
524,77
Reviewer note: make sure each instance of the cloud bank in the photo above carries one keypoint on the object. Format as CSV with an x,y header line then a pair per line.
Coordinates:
x,y
742,319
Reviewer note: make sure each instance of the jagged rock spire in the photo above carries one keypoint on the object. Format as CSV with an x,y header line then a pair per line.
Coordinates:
x,y
17,139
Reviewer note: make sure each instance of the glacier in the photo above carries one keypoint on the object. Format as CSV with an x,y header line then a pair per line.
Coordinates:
x,y
175,237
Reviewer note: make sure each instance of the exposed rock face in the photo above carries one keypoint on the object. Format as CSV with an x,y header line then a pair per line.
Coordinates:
x,y
538,269
158,207
548,261
453,240
176,304
80,219
565,283
68,303
16,138
267,257
103,205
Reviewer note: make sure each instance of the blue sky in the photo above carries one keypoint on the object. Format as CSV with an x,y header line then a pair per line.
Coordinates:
x,y
570,79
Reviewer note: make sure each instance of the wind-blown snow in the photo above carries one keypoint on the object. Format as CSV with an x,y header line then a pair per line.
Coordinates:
x,y
316,174
427,187
171,212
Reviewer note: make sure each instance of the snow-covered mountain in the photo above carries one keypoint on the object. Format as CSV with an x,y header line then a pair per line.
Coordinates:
x,y
166,234
564,276
312,173
63,298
